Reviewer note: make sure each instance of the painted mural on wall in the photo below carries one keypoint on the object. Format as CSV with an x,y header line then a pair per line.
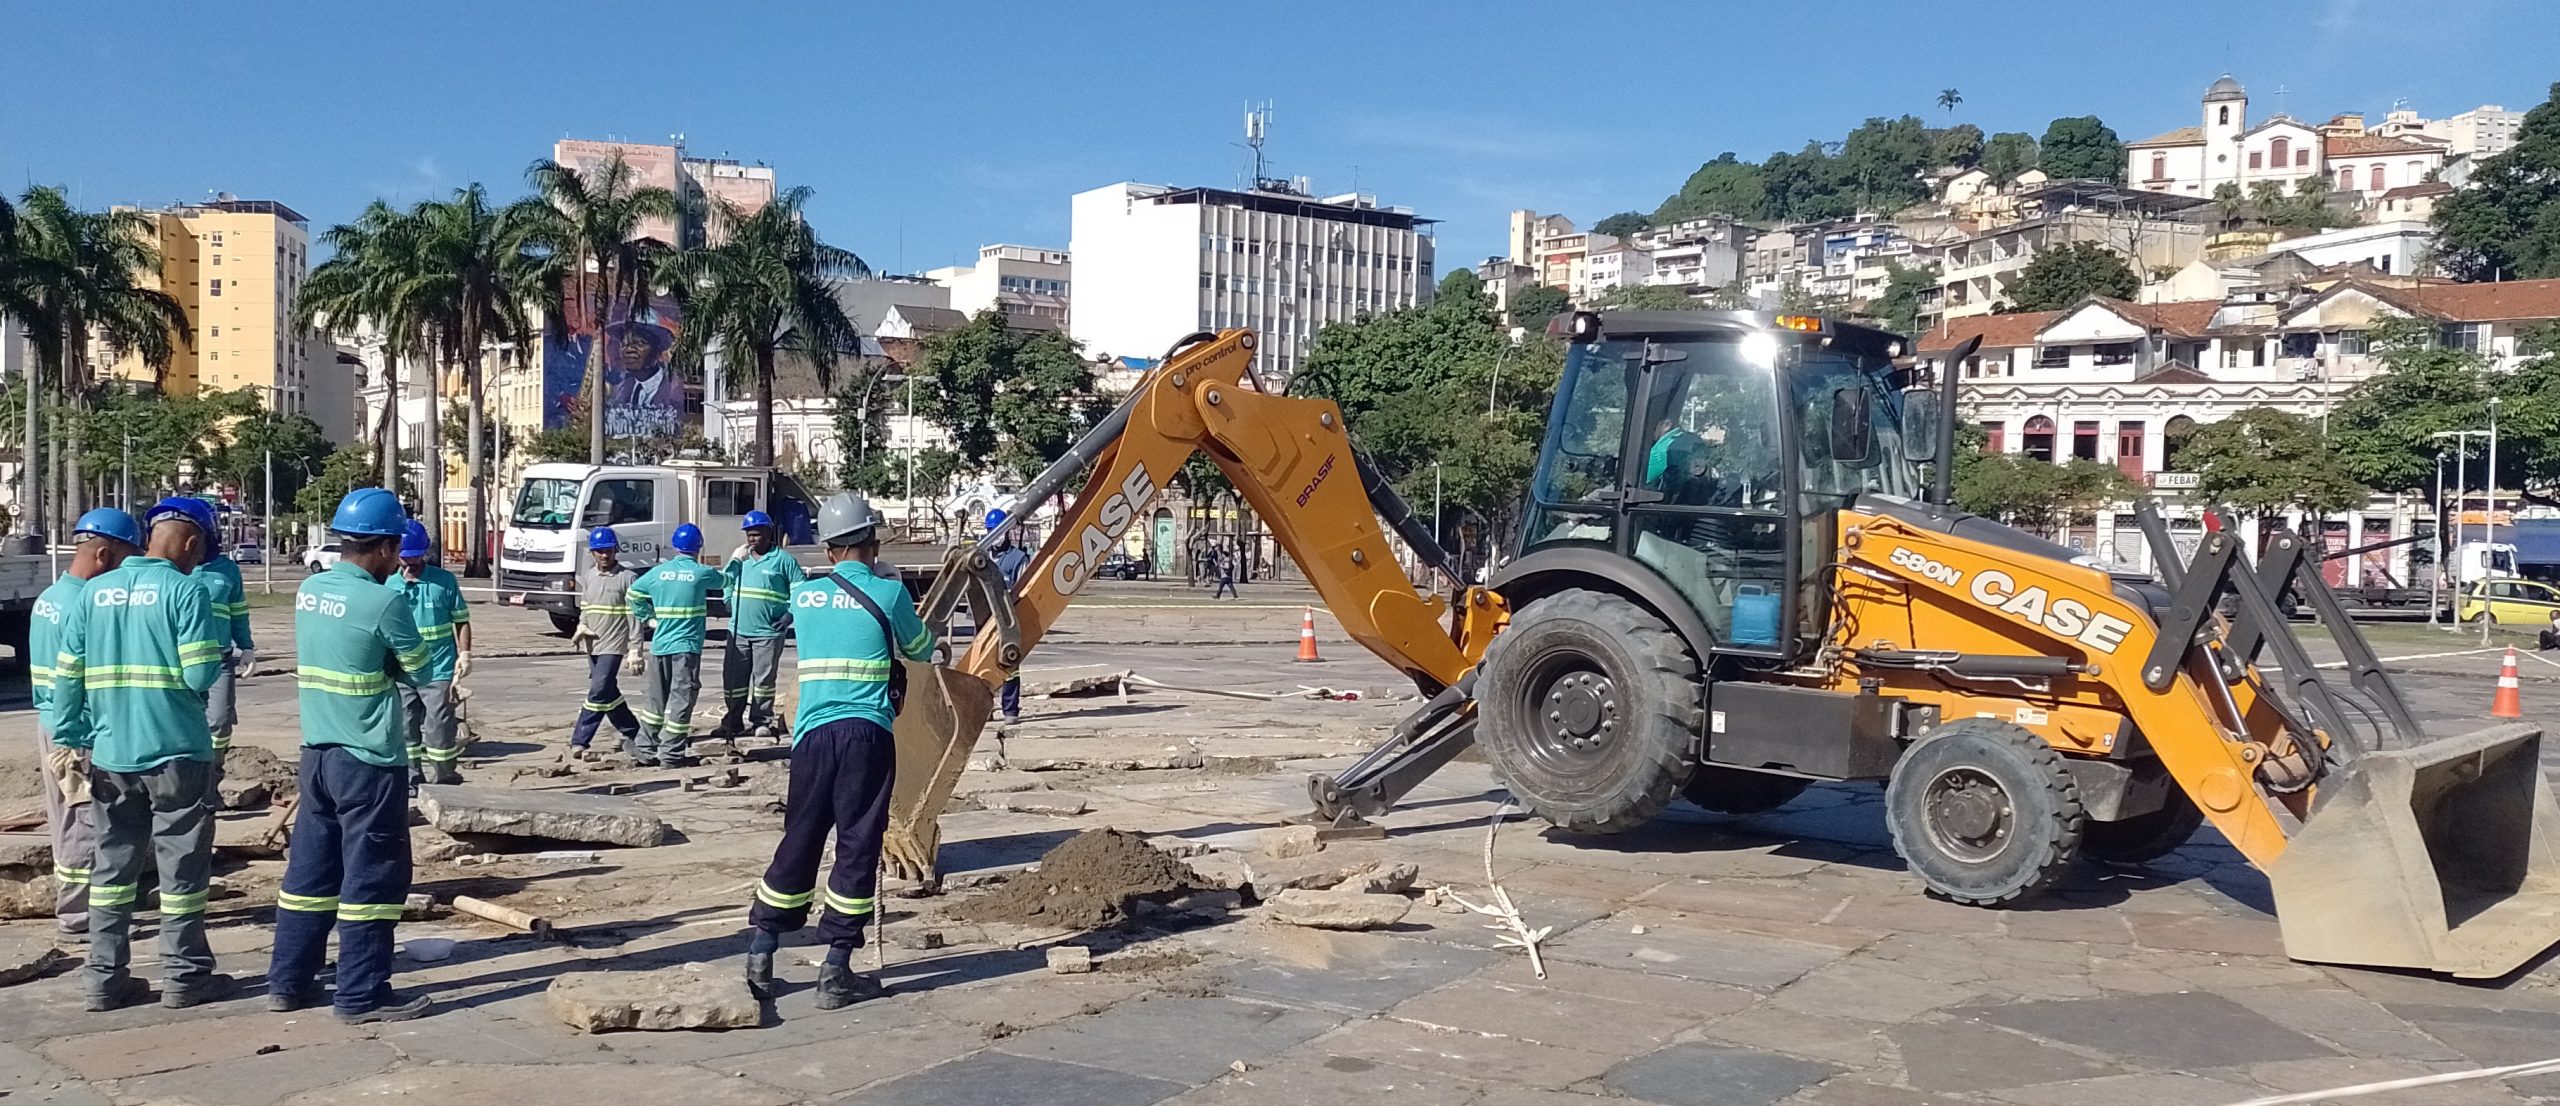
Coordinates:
x,y
644,398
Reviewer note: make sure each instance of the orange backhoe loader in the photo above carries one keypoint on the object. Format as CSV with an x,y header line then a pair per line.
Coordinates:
x,y
1732,583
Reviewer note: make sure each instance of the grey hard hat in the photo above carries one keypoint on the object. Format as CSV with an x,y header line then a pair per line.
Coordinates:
x,y
846,519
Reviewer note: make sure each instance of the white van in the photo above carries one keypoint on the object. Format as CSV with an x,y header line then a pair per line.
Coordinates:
x,y
543,550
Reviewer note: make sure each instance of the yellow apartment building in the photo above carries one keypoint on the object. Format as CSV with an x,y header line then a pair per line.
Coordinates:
x,y
235,265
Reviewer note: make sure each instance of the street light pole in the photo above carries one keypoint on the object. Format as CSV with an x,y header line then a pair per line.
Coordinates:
x,y
2435,579
267,529
911,455
2489,521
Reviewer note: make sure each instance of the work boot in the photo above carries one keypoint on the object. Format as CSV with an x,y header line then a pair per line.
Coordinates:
x,y
390,1006
840,986
443,774
210,988
286,1002
760,974
120,992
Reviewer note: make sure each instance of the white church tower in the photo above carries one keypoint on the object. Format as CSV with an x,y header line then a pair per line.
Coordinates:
x,y
2226,119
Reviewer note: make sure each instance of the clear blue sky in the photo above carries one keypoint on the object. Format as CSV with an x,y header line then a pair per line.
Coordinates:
x,y
929,128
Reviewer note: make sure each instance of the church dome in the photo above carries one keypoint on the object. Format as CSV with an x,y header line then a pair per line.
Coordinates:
x,y
2225,89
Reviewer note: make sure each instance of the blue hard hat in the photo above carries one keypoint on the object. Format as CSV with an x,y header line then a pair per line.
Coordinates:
x,y
193,509
108,522
414,542
601,539
995,518
370,513
756,520
687,539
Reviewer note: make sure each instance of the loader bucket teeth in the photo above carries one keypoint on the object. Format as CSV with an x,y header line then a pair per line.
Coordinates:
x,y
2443,857
945,712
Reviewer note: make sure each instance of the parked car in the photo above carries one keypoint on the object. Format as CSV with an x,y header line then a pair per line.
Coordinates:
x,y
249,553
2510,602
1121,566
320,558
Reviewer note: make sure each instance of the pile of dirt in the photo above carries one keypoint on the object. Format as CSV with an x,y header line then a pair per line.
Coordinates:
x,y
1087,882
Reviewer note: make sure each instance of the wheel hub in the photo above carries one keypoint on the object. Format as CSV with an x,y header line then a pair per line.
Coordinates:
x,y
1970,813
1579,711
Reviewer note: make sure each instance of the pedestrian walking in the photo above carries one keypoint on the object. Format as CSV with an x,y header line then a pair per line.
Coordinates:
x,y
854,626
348,866
129,685
675,596
1226,563
103,539
443,619
605,632
1010,561
759,578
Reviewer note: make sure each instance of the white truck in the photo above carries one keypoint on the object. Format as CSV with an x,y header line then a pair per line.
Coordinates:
x,y
543,549
23,576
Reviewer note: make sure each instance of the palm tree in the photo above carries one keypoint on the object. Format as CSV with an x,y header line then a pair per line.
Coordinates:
x,y
763,291
22,274
597,219
1948,98
87,285
477,270
361,284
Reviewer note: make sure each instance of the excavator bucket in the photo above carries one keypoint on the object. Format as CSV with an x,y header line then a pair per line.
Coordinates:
x,y
2444,857
946,710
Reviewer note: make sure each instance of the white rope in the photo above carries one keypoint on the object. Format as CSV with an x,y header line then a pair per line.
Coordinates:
x,y
2511,1071
2420,656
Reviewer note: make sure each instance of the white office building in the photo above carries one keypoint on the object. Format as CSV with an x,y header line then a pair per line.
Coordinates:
x,y
1154,263
1029,284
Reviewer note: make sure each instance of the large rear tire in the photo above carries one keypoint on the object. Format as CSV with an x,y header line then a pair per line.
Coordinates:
x,y
1741,790
2144,838
1985,812
1591,705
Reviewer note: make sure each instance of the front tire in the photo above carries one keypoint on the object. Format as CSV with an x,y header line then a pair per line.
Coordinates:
x,y
1984,812
1591,707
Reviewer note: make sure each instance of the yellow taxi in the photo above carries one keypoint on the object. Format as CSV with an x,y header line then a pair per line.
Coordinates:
x,y
2510,602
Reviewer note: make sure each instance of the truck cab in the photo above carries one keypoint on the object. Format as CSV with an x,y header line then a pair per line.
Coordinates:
x,y
542,553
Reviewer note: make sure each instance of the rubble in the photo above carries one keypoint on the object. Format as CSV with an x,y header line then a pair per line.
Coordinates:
x,y
670,998
1338,909
1287,842
25,958
253,778
1040,802
1070,959
427,843
551,815
26,876
1089,881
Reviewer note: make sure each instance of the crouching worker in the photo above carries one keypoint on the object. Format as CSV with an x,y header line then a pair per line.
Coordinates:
x,y
853,627
348,864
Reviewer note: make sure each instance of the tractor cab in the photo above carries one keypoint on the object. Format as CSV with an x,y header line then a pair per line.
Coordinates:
x,y
1698,458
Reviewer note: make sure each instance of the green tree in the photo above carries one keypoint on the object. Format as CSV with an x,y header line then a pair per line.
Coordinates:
x,y
1647,297
1948,98
863,407
2262,461
2066,274
2383,431
598,221
2008,154
1724,186
2034,495
1882,163
764,291
1534,304
293,441
1897,307
2506,224
367,284
349,468
1959,145
1807,185
2080,147
1623,224
1008,397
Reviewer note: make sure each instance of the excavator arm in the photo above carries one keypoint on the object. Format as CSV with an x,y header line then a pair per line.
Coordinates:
x,y
1289,457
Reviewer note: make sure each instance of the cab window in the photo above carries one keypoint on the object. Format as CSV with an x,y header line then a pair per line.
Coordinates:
x,y
730,498
621,502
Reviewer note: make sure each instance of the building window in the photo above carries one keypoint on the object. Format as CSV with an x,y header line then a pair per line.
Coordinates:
x,y
2351,343
2466,336
2244,354
2346,180
2084,441
2255,161
2159,166
2301,346
217,238
1991,436
2053,357
2377,178
217,261
2038,440
2222,116
2302,158
2276,151
2114,353
2129,449
213,332
214,286
2173,437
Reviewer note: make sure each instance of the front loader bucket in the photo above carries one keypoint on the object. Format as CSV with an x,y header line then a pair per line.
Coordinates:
x,y
945,712
2443,857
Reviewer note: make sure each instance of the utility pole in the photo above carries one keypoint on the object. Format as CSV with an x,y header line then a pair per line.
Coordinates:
x,y
2435,579
267,529
911,455
2489,531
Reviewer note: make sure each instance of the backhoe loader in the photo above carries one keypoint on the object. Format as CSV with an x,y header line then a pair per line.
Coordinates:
x,y
1733,583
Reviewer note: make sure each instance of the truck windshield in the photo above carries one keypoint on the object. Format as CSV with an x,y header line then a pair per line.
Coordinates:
x,y
547,504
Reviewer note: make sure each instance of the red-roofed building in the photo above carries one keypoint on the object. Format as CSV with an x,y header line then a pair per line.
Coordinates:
x,y
2226,148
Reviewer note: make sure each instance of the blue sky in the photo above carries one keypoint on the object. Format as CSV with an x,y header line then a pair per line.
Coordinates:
x,y
927,129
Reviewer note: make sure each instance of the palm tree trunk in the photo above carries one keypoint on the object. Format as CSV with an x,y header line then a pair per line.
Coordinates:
x,y
431,452
593,389
76,384
389,448
31,452
764,405
476,478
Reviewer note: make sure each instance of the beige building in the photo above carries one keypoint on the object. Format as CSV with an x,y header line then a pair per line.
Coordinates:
x,y
235,266
1031,285
697,180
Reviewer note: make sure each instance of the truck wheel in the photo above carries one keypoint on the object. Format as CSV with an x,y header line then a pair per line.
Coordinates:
x,y
1741,790
1590,711
2144,837
565,623
1984,812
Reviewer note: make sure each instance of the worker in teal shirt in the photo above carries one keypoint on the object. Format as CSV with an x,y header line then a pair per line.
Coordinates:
x,y
443,618
105,537
676,595
220,576
853,628
129,684
349,864
758,577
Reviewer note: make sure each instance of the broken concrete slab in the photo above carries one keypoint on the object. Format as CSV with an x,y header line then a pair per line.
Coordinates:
x,y
1338,909
1288,842
670,998
427,843
26,875
1051,803
550,815
25,958
1070,959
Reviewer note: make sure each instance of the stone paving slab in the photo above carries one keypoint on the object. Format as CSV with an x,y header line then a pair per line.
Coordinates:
x,y
1967,1056
561,1085
125,1053
1542,1016
2175,1031
1306,1080
259,1080
831,1067
1184,1040
990,1077
1742,959
1712,1075
1463,1055
1352,973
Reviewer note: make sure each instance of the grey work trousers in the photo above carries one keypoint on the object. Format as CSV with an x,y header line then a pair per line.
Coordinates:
x,y
749,671
73,828
434,736
668,687
162,817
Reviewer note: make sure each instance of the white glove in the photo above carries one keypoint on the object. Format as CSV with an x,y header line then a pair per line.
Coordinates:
x,y
631,663
70,771
462,664
244,661
582,639
738,554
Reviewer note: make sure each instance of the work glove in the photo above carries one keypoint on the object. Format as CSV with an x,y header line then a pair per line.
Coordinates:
x,y
582,639
461,664
631,663
244,661
738,554
70,772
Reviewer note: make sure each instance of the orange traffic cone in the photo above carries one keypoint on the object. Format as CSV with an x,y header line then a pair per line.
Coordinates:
x,y
1307,638
2510,700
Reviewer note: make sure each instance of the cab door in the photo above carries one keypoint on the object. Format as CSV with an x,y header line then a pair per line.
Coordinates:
x,y
1705,490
